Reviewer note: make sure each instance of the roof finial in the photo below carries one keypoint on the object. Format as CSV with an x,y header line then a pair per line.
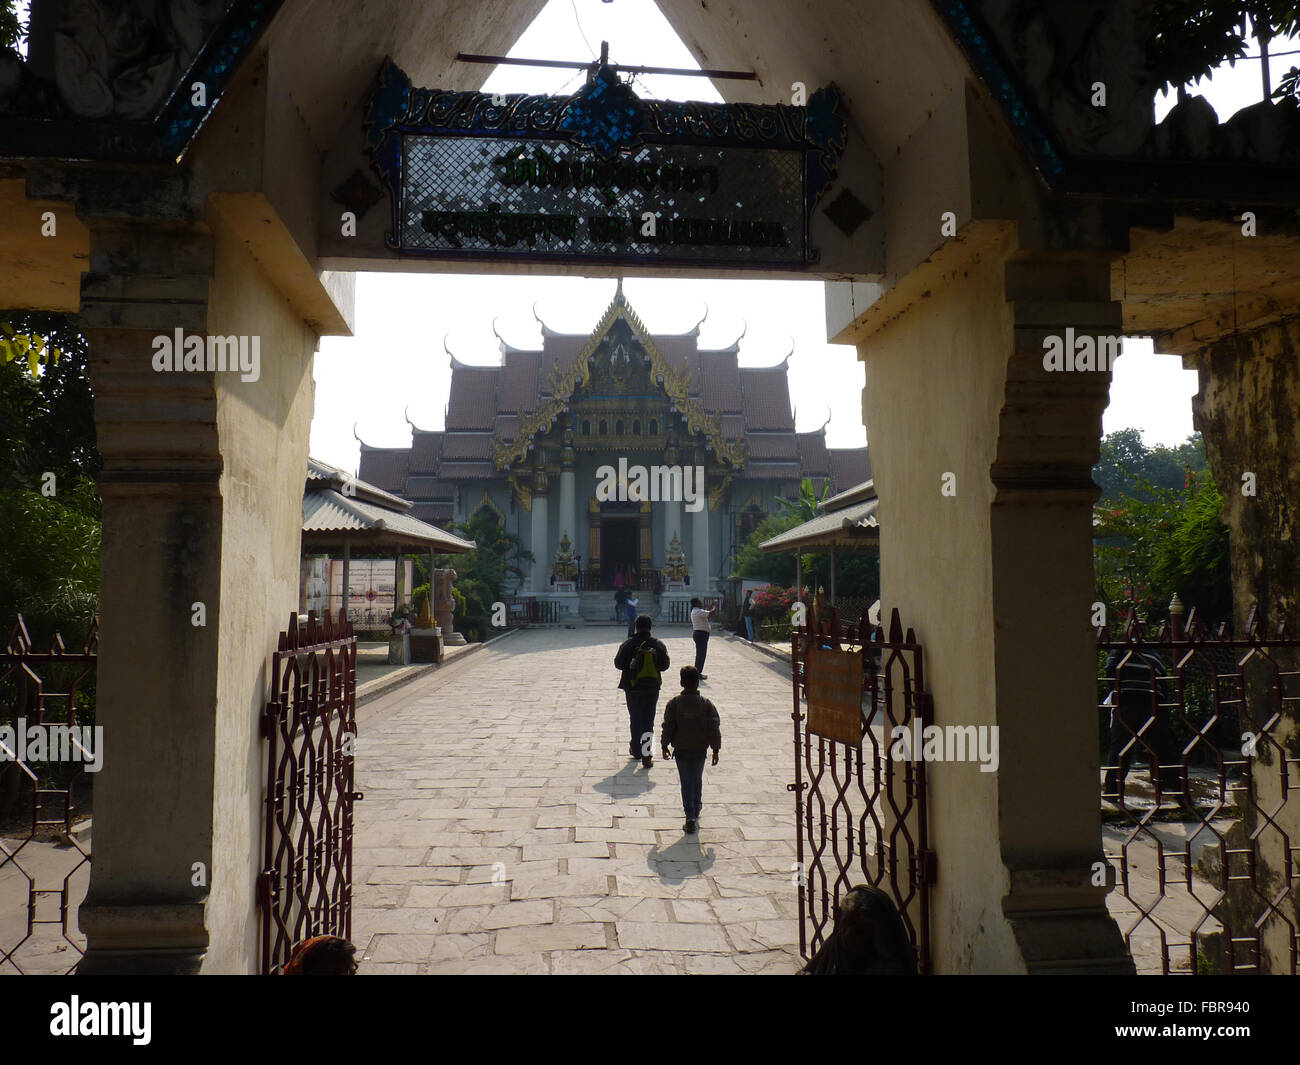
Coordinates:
x,y
696,330
546,329
786,361
447,349
618,292
744,328
827,422
358,437
497,334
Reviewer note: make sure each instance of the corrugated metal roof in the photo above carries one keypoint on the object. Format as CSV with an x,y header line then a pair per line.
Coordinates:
x,y
855,526
325,510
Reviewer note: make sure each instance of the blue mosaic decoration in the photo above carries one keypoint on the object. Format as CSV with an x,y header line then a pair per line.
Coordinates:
x,y
605,115
564,177
169,133
973,39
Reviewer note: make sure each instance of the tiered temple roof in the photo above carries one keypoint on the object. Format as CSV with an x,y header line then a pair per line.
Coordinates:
x,y
751,406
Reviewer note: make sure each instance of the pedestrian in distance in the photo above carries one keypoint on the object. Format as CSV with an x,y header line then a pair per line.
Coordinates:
x,y
747,614
1140,725
701,623
631,606
691,727
620,605
641,660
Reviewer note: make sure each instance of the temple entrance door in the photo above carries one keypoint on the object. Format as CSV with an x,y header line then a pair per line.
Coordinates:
x,y
618,540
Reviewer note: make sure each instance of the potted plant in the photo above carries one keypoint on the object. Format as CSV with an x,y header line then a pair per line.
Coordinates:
x,y
399,640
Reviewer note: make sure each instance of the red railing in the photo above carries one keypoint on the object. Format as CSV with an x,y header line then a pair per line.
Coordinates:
x,y
305,888
862,815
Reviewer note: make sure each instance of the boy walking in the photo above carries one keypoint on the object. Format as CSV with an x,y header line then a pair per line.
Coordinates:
x,y
641,660
691,727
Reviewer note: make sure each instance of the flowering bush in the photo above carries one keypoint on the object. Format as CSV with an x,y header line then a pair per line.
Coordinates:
x,y
775,603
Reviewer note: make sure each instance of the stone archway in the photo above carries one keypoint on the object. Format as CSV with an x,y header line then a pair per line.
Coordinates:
x,y
952,250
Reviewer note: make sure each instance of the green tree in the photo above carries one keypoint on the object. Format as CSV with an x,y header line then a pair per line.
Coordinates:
x,y
49,526
1193,37
483,575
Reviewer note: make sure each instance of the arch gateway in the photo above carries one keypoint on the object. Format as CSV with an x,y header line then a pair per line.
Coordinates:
x,y
980,204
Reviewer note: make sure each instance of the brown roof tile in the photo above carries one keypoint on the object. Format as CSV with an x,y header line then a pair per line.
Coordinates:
x,y
384,467
812,454
426,488
521,381
768,471
473,399
849,467
773,446
426,448
720,381
765,398
466,446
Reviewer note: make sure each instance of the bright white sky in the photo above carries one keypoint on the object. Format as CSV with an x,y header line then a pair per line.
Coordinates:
x,y
396,363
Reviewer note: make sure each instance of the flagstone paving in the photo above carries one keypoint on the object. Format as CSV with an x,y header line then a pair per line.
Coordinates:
x,y
505,830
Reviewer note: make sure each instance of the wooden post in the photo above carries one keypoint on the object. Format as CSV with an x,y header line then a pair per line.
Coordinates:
x,y
347,576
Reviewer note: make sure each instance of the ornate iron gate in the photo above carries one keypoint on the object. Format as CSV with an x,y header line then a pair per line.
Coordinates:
x,y
43,792
863,819
1206,839
305,888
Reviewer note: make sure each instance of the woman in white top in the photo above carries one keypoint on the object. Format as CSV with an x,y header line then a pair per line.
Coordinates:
x,y
700,626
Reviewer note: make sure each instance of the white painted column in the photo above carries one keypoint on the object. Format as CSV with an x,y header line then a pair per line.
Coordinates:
x,y
700,550
541,546
568,518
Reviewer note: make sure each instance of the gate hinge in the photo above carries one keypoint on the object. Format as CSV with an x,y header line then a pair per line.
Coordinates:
x,y
356,796
797,787
266,886
929,866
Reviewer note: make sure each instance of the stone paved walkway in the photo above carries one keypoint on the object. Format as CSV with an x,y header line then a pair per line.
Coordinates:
x,y
505,830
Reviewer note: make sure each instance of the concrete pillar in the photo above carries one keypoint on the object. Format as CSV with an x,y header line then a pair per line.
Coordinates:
x,y
1248,408
201,488
700,550
541,546
986,546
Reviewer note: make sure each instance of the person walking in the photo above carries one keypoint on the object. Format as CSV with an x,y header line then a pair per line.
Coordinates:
x,y
631,606
691,727
641,660
701,624
620,605
747,613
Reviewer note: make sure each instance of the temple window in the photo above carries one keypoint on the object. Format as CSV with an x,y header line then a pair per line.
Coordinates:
x,y
654,427
586,428
604,427
636,427
618,427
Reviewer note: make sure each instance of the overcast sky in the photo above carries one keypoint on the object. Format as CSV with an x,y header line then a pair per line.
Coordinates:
x,y
395,364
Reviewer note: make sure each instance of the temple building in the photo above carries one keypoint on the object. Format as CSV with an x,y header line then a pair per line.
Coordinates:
x,y
638,448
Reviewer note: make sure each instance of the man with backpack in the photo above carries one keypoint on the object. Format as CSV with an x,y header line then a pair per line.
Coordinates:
x,y
641,660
